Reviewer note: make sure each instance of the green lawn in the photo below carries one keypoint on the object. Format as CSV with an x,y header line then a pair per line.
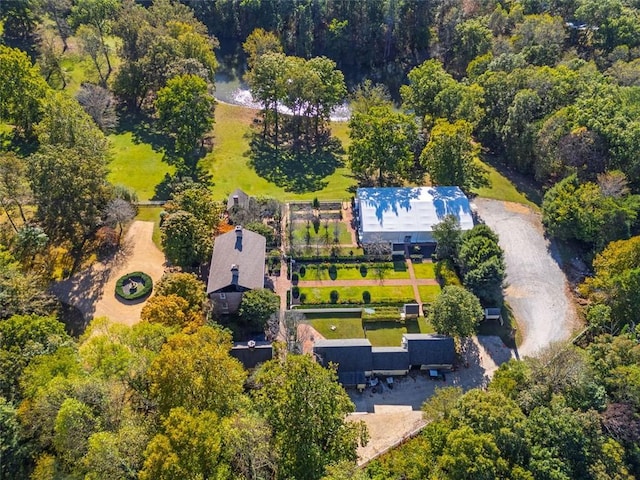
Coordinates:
x,y
502,188
428,293
228,163
424,270
379,333
379,294
344,327
136,165
300,229
151,214
352,271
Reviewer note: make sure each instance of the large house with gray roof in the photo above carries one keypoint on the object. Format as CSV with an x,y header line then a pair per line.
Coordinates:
x,y
237,266
357,359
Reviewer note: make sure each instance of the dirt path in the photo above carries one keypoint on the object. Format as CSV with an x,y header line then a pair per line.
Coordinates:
x,y
537,289
92,291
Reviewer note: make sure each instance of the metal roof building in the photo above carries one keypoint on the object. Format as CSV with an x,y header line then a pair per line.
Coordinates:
x,y
408,214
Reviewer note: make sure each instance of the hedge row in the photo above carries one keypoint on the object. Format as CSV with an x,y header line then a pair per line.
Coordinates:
x,y
139,293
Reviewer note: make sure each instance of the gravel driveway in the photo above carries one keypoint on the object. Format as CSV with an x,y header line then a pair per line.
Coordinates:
x,y
537,289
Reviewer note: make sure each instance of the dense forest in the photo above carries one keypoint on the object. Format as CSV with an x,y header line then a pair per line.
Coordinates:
x,y
547,91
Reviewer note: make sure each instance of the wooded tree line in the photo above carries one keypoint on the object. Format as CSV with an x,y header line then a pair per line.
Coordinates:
x,y
163,400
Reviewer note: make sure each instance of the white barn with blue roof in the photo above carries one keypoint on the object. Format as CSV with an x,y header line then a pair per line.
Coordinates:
x,y
408,214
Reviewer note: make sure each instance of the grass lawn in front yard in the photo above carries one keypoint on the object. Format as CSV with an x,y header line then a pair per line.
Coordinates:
x,y
151,214
344,327
389,333
428,293
382,333
357,295
424,270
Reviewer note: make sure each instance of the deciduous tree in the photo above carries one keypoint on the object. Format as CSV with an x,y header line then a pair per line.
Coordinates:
x,y
451,156
258,306
456,312
185,109
195,371
381,145
305,407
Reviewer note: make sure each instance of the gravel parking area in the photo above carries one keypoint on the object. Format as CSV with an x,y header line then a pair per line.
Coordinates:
x,y
392,415
537,289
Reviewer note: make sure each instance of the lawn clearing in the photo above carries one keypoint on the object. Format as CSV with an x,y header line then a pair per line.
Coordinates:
x,y
357,295
342,327
136,165
152,214
502,188
428,293
229,162
425,270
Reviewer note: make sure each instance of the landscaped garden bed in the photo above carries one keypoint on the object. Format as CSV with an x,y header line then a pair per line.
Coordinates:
x,y
133,286
356,295
352,271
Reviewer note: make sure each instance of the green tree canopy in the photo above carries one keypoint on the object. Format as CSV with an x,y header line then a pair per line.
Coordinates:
x,y
382,144
258,306
195,371
451,156
185,110
456,312
305,407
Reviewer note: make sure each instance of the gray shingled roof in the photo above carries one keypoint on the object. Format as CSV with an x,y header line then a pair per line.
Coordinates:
x,y
243,199
247,253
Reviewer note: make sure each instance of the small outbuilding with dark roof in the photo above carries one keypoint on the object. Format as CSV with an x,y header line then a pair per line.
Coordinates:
x,y
429,351
237,266
251,354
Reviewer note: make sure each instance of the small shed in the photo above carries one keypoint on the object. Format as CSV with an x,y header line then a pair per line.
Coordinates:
x,y
410,310
493,314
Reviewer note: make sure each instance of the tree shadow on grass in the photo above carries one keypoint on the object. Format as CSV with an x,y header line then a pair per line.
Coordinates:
x,y
143,130
295,172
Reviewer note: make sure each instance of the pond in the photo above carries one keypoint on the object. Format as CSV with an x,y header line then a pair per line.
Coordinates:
x,y
231,89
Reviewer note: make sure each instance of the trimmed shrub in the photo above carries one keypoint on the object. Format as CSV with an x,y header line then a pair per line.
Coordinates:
x,y
147,286
366,296
295,292
333,296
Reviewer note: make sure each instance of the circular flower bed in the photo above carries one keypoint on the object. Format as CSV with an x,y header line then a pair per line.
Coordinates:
x,y
134,285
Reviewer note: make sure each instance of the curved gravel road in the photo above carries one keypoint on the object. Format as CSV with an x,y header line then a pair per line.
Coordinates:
x,y
537,289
